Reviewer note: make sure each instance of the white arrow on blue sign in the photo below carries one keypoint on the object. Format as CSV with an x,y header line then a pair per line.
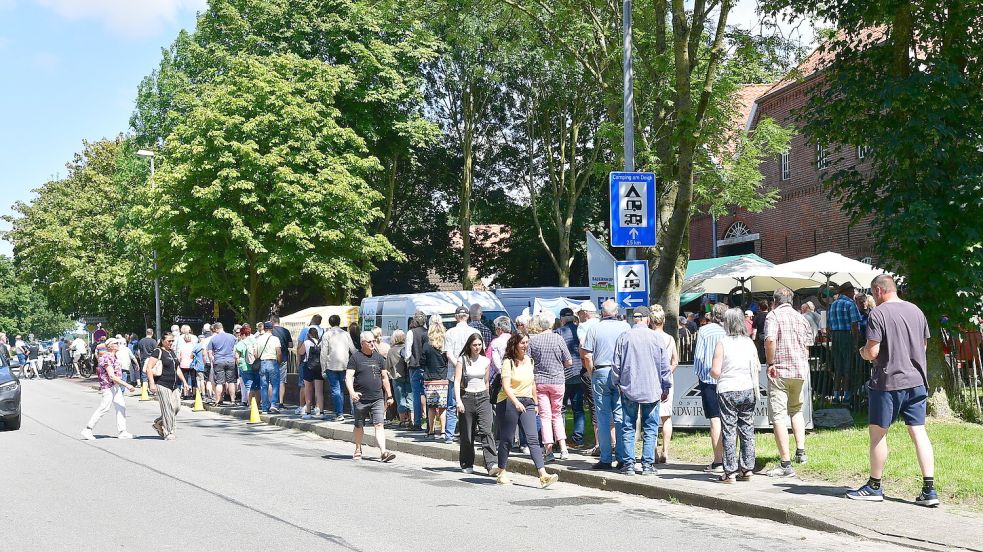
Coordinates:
x,y
632,209
631,283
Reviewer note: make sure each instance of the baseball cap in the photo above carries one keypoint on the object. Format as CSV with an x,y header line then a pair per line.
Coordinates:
x,y
643,311
566,311
846,286
748,313
588,306
462,310
112,341
268,325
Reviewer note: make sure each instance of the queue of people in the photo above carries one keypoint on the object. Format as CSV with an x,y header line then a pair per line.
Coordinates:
x,y
505,387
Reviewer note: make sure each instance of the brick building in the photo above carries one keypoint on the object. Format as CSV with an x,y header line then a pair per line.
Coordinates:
x,y
803,221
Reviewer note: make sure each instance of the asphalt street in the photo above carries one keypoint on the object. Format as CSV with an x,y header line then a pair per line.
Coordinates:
x,y
224,485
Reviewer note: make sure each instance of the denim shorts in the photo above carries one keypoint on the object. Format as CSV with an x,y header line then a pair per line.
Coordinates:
x,y
887,406
711,404
250,381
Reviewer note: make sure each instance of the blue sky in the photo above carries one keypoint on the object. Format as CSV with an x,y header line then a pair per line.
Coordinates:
x,y
69,71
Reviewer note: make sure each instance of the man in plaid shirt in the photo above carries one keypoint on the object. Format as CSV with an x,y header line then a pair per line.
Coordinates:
x,y
788,336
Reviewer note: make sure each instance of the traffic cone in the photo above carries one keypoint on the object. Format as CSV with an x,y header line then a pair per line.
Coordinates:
x,y
254,412
198,407
144,395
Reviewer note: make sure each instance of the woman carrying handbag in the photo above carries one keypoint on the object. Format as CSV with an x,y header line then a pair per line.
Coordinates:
x,y
164,375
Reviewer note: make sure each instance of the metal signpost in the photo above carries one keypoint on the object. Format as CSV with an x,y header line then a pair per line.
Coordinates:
x,y
632,283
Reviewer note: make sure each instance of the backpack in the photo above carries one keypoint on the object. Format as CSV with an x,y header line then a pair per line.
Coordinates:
x,y
314,355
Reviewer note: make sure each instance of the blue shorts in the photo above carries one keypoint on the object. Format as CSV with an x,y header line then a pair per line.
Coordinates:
x,y
887,406
711,405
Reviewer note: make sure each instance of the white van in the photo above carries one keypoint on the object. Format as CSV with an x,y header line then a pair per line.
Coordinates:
x,y
392,312
516,299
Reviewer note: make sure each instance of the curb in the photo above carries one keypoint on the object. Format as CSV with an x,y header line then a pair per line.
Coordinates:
x,y
594,480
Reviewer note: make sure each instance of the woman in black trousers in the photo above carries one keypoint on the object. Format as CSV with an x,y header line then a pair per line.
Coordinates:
x,y
474,406
517,405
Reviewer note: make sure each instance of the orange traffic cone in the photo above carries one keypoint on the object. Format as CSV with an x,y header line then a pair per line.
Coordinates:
x,y
144,394
198,407
254,412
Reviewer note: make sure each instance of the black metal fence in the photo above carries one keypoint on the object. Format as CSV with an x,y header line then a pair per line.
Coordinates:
x,y
963,349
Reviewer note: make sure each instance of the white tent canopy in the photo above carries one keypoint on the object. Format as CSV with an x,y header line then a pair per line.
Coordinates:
x,y
755,276
296,321
833,267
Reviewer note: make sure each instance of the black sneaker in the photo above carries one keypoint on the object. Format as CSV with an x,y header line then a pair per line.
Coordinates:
x,y
602,466
627,469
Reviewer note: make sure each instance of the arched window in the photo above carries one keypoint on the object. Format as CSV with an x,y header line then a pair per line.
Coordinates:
x,y
737,230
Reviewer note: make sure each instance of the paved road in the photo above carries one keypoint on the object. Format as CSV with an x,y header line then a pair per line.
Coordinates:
x,y
223,485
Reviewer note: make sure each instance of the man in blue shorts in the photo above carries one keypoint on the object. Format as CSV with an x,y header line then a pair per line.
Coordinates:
x,y
897,337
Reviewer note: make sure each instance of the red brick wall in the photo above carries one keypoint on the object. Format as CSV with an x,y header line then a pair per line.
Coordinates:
x,y
804,221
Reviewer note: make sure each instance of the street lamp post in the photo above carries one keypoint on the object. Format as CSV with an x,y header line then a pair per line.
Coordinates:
x,y
150,155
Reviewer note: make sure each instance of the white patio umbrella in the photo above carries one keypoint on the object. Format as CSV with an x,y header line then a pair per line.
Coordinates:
x,y
744,272
834,267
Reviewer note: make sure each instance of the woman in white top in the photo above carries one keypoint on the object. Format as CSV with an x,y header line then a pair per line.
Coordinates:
x,y
474,406
735,367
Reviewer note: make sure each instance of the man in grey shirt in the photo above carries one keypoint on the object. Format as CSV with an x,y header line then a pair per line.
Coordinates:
x,y
897,338
641,372
598,359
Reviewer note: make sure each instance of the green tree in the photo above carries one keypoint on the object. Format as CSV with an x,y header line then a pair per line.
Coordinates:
x,y
906,81
382,45
78,241
24,307
264,187
686,81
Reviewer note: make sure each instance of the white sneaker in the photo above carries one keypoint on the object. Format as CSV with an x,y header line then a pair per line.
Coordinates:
x,y
468,471
87,435
300,411
317,412
124,435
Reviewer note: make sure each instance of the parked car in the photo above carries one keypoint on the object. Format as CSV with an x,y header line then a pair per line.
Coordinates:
x,y
9,399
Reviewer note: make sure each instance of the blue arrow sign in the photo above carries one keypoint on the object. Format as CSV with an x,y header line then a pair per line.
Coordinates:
x,y
632,209
631,283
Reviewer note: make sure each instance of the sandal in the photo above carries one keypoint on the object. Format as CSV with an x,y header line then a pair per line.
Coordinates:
x,y
745,476
357,455
724,478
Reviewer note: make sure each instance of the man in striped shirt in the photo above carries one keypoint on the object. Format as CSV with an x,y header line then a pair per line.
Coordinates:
x,y
706,343
788,336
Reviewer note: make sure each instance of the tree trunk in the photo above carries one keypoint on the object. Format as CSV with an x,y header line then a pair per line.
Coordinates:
x,y
940,380
464,220
253,286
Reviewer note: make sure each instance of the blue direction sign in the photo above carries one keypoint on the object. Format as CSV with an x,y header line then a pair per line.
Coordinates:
x,y
632,209
631,283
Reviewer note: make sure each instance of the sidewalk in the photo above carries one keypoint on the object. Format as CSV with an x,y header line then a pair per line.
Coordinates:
x,y
804,504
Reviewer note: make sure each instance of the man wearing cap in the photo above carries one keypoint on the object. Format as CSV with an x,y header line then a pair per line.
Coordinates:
x,y
599,359
454,342
573,389
843,322
641,373
476,311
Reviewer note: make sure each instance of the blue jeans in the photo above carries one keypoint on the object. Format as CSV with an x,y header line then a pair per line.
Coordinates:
x,y
650,430
451,412
335,379
416,384
574,396
269,376
607,399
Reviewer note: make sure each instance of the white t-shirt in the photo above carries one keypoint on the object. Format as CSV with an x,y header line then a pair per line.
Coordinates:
x,y
474,373
266,346
740,357
454,341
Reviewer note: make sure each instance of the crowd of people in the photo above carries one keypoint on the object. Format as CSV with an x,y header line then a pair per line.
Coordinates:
x,y
506,385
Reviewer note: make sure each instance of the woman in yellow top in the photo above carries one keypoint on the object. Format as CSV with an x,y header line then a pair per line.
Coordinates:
x,y
517,404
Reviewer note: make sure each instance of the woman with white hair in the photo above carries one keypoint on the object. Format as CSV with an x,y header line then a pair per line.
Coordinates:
x,y
735,367
112,387
551,357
